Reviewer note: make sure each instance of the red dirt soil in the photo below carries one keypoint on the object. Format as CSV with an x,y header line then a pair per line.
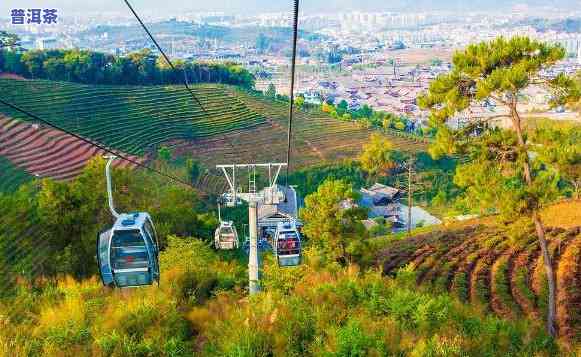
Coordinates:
x,y
4,75
46,152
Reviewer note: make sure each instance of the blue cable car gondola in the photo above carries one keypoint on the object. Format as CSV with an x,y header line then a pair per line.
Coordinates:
x,y
128,253
287,244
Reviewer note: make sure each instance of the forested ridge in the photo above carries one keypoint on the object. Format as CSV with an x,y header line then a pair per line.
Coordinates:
x,y
138,68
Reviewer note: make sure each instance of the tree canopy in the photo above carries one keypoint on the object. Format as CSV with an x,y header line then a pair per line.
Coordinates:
x,y
561,149
377,155
332,229
138,68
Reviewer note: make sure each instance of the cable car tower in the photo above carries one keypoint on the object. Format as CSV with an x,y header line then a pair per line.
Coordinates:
x,y
271,195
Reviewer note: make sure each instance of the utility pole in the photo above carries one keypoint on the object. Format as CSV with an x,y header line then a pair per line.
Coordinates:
x,y
410,199
270,195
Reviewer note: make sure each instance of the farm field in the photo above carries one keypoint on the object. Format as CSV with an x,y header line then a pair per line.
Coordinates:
x,y
484,264
316,138
132,119
42,152
136,120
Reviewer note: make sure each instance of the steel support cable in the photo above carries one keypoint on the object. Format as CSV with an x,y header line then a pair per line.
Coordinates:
x,y
292,86
97,145
169,62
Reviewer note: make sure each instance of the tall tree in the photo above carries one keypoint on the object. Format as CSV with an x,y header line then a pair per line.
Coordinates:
x,y
561,148
377,156
500,70
271,91
334,230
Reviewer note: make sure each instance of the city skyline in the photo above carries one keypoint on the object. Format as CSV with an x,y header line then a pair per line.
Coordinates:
x,y
232,7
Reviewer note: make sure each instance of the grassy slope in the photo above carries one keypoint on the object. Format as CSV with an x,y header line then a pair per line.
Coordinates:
x,y
200,309
566,214
498,267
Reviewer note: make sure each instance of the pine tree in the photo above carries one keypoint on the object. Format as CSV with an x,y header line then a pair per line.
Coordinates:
x,y
499,71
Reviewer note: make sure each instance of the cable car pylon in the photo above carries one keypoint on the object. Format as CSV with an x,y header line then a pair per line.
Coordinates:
x,y
270,195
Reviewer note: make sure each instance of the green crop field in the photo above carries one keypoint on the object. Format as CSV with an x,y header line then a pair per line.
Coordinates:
x,y
240,128
316,138
129,118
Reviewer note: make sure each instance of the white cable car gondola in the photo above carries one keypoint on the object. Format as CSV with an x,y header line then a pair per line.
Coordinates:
x,y
226,236
287,244
128,253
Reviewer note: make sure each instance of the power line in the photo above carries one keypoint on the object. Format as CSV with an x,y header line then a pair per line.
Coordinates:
x,y
97,145
185,81
292,88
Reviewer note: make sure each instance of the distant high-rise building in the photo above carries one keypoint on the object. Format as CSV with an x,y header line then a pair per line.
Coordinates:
x,y
47,43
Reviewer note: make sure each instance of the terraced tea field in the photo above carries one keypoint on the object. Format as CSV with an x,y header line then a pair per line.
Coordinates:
x,y
317,138
135,120
41,152
132,119
480,264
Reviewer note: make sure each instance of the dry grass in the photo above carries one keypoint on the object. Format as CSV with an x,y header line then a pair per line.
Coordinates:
x,y
421,55
565,214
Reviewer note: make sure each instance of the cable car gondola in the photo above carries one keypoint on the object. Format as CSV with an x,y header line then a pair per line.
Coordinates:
x,y
287,244
128,253
226,236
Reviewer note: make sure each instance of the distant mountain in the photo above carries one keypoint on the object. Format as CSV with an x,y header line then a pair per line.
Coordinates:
x,y
276,37
571,25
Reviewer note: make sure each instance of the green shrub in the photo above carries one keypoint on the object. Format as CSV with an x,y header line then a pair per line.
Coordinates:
x,y
353,341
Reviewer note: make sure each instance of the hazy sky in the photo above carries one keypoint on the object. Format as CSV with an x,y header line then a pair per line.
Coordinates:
x,y
253,6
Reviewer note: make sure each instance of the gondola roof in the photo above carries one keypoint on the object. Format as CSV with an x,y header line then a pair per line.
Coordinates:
x,y
128,221
286,208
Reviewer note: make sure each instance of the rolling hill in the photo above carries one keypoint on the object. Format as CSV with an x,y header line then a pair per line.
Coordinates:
x,y
235,127
129,118
317,138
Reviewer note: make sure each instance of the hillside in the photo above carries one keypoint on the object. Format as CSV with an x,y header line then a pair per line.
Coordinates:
x,y
201,309
317,138
11,176
41,151
137,120
500,268
129,118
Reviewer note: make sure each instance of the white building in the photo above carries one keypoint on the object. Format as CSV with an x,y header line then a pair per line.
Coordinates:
x,y
47,43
